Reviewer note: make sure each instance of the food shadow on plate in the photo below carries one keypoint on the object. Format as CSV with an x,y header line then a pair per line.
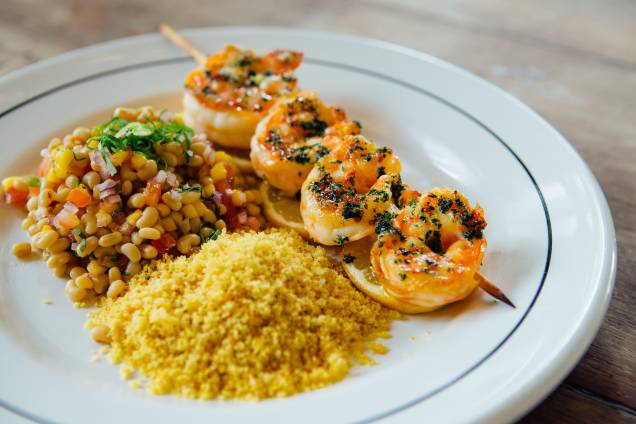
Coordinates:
x,y
479,301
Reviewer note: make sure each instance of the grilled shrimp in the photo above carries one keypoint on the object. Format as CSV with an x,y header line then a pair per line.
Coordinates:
x,y
429,250
347,189
234,90
297,132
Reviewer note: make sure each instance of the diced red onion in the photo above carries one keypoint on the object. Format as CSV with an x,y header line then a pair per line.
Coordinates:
x,y
218,198
63,215
115,198
209,154
167,117
97,159
40,213
56,221
126,229
199,137
176,195
109,183
204,171
161,177
107,193
74,246
171,179
71,208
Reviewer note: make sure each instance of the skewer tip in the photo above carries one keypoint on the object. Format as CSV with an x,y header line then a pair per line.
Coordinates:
x,y
178,40
493,290
503,298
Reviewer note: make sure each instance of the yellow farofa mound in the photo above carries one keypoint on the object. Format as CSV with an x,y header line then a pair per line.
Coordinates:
x,y
251,315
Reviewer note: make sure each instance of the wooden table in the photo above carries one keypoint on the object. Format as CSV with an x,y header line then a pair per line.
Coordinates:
x,y
572,61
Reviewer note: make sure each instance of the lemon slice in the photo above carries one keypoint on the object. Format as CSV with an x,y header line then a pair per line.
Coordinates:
x,y
282,211
356,262
244,165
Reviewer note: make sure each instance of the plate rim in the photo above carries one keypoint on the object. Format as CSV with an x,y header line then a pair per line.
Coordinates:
x,y
599,307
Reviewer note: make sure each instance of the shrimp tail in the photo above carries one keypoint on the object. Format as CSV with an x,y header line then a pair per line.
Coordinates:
x,y
493,290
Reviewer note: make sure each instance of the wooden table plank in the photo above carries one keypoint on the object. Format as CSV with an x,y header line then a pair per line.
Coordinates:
x,y
570,405
572,61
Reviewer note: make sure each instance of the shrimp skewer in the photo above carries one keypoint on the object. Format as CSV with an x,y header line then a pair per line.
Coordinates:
x,y
230,94
233,89
297,132
347,190
336,195
428,253
356,261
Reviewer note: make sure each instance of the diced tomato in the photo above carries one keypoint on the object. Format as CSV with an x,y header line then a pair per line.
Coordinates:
x,y
231,215
15,197
153,193
229,180
230,173
79,197
253,223
65,220
221,185
87,168
34,191
45,167
164,243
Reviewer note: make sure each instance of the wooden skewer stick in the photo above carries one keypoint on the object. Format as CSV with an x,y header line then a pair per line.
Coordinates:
x,y
492,290
177,39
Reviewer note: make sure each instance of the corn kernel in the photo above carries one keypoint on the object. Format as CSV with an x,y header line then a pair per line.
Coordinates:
x,y
92,144
218,172
119,157
223,157
7,183
61,162
238,198
133,217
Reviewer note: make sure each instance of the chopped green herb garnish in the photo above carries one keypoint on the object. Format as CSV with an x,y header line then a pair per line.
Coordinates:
x,y
32,181
341,239
348,258
433,240
351,210
384,224
213,236
313,128
141,137
109,163
383,151
82,245
134,128
78,233
379,195
396,190
444,204
187,188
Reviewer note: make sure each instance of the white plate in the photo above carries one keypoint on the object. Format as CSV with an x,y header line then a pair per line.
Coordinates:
x,y
551,238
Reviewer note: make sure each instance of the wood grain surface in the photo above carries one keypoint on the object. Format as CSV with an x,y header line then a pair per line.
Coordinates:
x,y
574,62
